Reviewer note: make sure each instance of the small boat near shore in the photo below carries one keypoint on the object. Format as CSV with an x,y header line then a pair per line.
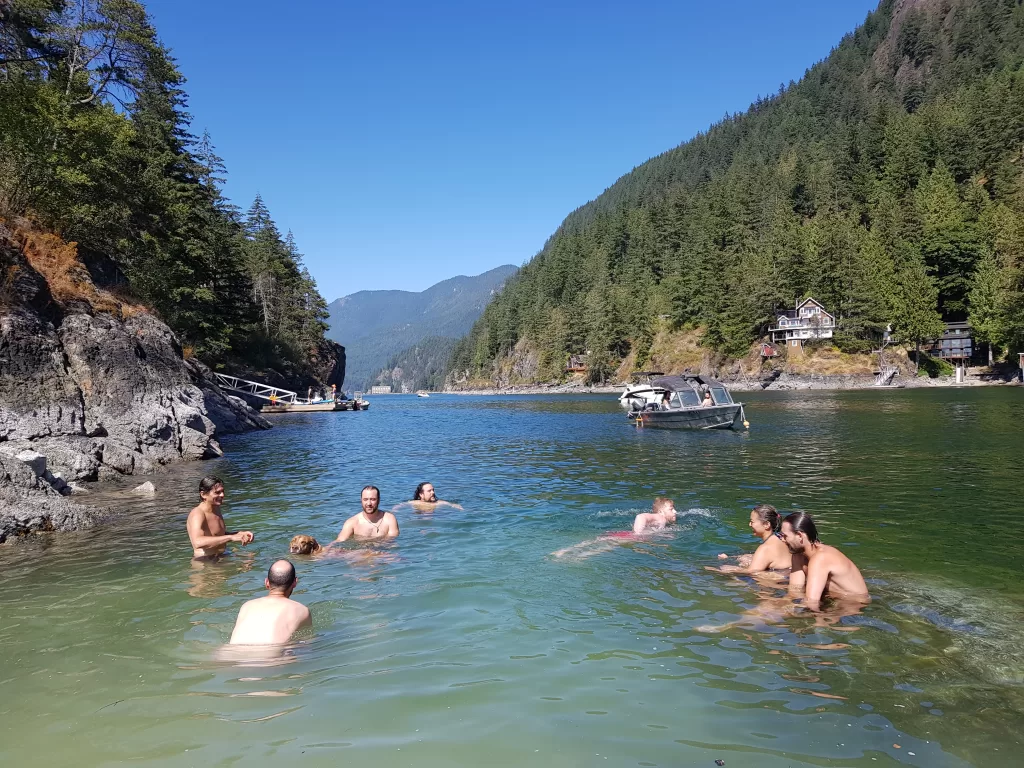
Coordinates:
x,y
688,401
422,393
641,391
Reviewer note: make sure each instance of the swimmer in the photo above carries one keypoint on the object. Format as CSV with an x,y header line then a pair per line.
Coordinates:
x,y
272,620
205,524
425,499
304,545
771,555
820,570
371,523
663,512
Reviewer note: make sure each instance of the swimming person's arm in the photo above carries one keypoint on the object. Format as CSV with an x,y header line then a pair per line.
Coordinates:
x,y
346,531
817,580
392,526
201,540
797,577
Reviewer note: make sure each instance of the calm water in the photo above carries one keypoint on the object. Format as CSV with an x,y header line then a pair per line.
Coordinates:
x,y
464,643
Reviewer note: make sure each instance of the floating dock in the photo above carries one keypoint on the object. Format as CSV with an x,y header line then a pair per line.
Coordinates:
x,y
284,400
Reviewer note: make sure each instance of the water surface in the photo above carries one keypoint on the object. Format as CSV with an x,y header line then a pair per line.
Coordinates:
x,y
466,643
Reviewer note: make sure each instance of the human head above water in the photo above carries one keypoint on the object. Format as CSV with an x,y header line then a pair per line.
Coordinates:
x,y
664,506
425,492
765,515
281,577
208,489
370,499
799,531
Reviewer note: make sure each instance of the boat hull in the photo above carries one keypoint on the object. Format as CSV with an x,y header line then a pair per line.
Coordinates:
x,y
703,417
301,407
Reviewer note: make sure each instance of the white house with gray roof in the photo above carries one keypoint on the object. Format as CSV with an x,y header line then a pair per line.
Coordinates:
x,y
808,321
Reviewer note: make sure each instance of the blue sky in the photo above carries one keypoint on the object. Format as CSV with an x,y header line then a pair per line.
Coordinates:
x,y
407,142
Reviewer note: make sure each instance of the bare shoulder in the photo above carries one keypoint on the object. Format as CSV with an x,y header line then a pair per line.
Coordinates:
x,y
390,517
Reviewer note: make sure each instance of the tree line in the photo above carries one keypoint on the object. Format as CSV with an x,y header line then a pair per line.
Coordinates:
x,y
96,145
887,183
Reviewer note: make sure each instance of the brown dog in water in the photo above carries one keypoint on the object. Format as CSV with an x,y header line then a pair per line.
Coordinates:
x,y
304,545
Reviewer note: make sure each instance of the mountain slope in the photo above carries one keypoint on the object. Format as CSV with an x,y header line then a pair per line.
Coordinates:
x,y
886,183
377,325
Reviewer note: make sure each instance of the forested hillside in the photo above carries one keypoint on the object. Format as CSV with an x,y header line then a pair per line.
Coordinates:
x,y
887,183
96,146
378,326
422,366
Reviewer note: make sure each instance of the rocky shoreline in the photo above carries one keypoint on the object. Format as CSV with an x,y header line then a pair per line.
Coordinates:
x,y
783,382
88,395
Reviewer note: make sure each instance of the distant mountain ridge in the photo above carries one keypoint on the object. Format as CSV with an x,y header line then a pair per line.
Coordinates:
x,y
377,326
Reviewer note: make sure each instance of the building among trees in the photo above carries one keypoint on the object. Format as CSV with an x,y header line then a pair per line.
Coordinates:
x,y
808,321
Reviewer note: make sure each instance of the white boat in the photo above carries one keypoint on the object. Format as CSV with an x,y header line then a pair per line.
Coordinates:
x,y
690,401
641,391
422,393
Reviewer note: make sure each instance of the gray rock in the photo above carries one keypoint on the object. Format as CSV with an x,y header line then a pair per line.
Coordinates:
x,y
23,512
146,489
35,460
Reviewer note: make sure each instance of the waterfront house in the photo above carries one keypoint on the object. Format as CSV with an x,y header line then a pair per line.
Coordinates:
x,y
955,344
808,321
577,363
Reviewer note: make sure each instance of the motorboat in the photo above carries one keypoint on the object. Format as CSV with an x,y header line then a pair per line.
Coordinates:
x,y
689,401
422,393
640,392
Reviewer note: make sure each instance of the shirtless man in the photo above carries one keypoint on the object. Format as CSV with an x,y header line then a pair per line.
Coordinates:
x,y
205,524
818,569
663,512
771,555
425,499
272,620
371,523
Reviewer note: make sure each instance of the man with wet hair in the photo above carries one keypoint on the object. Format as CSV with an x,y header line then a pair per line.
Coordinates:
x,y
663,513
819,570
425,499
371,522
205,524
273,619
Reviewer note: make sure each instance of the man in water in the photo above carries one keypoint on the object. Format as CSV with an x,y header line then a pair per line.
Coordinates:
x,y
818,569
371,523
205,524
272,620
425,499
663,513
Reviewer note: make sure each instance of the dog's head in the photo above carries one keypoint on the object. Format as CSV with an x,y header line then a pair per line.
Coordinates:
x,y
304,545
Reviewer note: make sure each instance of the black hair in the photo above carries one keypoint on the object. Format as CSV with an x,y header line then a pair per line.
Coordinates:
x,y
281,574
418,491
208,483
370,488
802,523
766,513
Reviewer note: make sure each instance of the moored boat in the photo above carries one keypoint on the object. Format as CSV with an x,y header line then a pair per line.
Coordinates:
x,y
422,393
689,401
640,392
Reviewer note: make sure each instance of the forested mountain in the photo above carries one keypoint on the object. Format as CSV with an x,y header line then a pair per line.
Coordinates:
x,y
887,183
375,326
96,146
422,366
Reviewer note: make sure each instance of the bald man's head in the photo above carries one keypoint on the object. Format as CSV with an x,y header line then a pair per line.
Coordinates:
x,y
281,576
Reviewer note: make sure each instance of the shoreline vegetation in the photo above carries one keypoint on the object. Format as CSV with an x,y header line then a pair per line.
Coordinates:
x,y
886,184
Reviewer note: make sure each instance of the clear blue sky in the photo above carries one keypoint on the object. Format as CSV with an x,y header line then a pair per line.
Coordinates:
x,y
407,142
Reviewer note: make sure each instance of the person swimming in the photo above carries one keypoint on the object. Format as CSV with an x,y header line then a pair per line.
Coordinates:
x,y
424,499
371,522
772,554
205,523
663,513
273,619
819,570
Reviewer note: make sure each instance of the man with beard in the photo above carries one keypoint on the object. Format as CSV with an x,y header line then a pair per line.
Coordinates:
x,y
371,523
818,569
425,499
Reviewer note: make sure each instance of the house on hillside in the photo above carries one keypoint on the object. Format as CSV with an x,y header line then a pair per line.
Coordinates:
x,y
956,344
808,321
577,363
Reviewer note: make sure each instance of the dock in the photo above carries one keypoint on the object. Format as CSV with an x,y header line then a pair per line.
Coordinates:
x,y
284,400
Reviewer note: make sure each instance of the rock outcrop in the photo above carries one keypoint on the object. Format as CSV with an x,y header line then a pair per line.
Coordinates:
x,y
90,395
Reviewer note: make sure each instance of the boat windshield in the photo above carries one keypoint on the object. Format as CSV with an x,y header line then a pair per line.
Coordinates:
x,y
688,398
721,395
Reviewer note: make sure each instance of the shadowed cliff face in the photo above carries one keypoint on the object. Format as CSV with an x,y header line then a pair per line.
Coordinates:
x,y
86,395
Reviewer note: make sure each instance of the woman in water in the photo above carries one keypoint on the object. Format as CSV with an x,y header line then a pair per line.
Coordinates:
x,y
773,554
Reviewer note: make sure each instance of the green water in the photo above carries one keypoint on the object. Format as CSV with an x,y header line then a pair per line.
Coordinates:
x,y
464,643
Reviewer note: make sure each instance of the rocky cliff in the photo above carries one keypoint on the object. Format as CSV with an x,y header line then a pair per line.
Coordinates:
x,y
87,394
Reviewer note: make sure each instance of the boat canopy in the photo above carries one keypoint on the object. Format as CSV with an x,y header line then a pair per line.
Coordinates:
x,y
684,382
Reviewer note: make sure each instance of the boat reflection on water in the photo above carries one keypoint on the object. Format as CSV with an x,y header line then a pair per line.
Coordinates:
x,y
688,401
